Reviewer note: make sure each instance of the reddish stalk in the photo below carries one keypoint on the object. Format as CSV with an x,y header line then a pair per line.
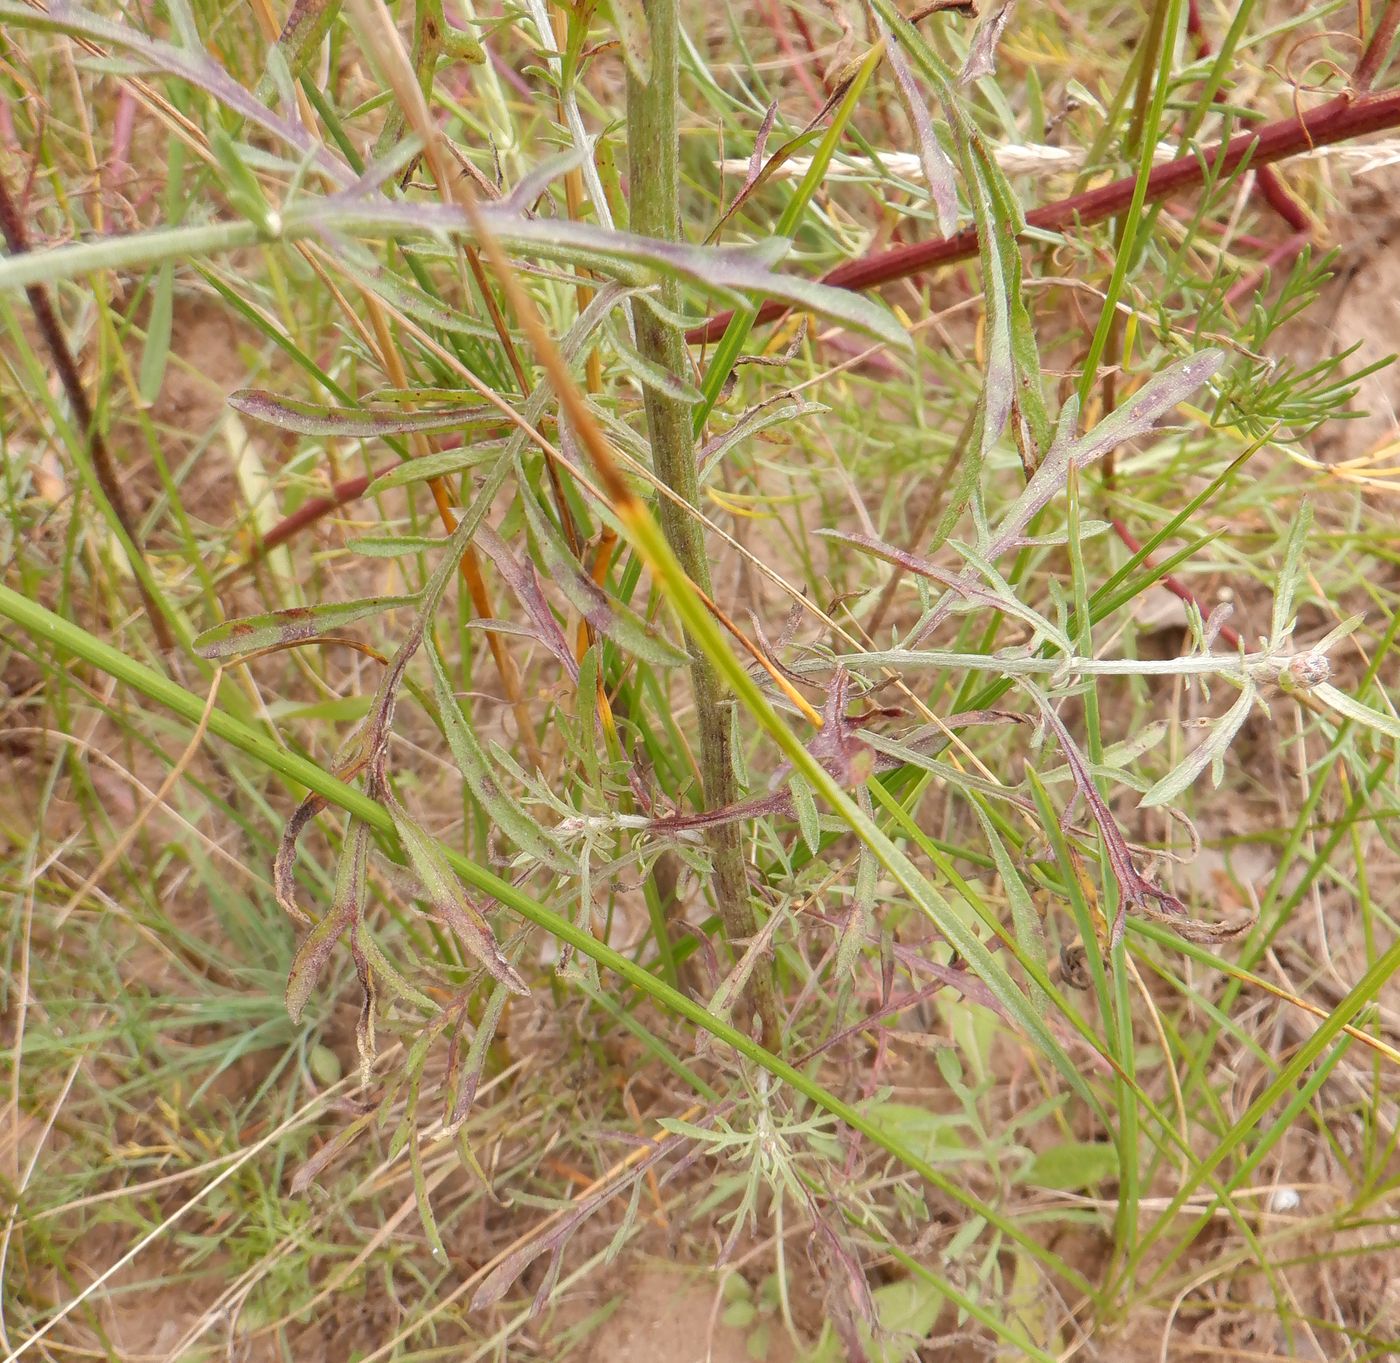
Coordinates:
x,y
1174,584
1339,120
1373,59
306,515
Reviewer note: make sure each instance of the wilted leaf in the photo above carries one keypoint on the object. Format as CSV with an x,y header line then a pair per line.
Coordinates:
x,y
347,908
982,55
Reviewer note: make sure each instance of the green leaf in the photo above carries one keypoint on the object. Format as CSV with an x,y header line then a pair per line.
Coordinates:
x,y
290,626
443,464
629,18
806,809
507,814
1073,1165
447,897
906,1310
158,326
1215,745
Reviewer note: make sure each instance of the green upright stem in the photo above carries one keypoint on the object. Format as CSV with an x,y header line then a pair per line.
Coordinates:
x,y
653,147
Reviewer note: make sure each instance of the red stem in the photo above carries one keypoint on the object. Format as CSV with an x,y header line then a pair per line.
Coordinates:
x,y
1174,585
308,513
1338,120
1373,58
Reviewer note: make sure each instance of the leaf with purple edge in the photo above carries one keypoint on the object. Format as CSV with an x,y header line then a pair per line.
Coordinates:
x,y
609,617
449,900
347,908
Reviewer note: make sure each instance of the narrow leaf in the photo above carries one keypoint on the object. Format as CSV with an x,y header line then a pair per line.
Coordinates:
x,y
606,615
506,813
1214,746
347,908
309,418
449,899
290,626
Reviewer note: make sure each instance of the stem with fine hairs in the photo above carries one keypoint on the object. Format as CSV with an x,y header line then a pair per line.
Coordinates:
x,y
653,154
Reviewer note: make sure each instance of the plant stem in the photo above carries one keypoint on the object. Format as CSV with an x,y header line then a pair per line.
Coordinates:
x,y
1338,120
103,469
653,149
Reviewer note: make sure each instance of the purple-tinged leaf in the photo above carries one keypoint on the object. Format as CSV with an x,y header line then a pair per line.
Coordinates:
x,y
562,1224
527,191
847,1291
347,909
982,54
361,423
607,616
1134,419
727,270
449,900
1133,888
292,626
937,168
849,760
524,582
